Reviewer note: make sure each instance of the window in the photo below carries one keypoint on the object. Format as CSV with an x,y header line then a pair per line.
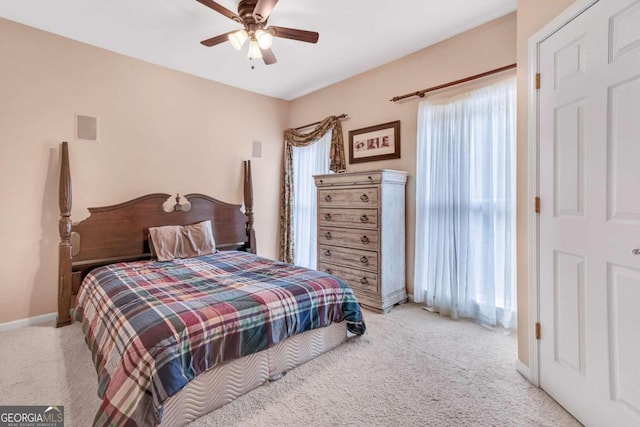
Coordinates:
x,y
465,205
307,162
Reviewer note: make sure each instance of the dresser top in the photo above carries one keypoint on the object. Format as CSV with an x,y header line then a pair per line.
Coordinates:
x,y
363,177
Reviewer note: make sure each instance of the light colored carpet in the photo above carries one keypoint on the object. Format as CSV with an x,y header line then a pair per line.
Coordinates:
x,y
413,368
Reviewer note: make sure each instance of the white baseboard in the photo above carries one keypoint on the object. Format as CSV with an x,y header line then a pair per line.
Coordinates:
x,y
523,370
29,321
410,298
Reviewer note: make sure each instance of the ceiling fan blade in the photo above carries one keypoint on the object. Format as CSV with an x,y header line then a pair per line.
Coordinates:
x,y
217,39
220,9
263,9
293,34
268,57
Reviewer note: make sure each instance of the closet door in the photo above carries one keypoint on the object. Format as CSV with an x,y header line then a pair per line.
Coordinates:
x,y
589,130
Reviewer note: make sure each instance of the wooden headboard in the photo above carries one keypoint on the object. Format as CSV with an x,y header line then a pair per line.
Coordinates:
x,y
119,232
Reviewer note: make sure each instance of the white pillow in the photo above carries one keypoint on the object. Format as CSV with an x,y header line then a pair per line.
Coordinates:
x,y
178,241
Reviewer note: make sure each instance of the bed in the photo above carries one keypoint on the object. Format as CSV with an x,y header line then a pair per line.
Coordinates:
x,y
172,341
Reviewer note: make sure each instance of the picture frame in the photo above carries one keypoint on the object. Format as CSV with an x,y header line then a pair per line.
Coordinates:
x,y
380,142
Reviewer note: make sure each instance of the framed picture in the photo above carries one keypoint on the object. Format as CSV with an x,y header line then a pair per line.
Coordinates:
x,y
379,142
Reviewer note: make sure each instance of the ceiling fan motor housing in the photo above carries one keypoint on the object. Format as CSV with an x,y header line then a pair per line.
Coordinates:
x,y
245,11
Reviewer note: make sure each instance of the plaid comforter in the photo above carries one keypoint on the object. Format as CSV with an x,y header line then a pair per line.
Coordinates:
x,y
152,327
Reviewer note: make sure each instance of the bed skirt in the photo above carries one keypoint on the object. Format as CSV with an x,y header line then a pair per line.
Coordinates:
x,y
226,382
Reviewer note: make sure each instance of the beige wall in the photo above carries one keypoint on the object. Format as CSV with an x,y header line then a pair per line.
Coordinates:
x,y
365,98
161,131
532,16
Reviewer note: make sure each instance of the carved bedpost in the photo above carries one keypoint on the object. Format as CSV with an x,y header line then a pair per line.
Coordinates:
x,y
64,250
248,205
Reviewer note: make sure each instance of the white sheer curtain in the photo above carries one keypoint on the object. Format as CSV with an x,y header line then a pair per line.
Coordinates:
x,y
465,213
307,161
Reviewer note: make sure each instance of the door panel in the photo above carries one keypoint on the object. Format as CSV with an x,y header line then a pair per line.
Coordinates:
x,y
624,318
569,311
624,36
569,159
624,151
570,63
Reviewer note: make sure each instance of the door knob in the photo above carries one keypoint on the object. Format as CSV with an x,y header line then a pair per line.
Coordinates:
x,y
635,252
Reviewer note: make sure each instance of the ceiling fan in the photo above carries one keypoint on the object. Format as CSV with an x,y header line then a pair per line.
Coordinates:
x,y
253,15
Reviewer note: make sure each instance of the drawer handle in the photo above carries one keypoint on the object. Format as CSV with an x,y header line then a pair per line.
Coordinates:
x,y
327,197
364,260
329,271
327,235
364,218
327,252
327,216
364,198
364,239
364,281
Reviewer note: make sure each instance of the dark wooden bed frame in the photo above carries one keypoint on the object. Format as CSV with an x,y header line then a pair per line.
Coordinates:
x,y
119,233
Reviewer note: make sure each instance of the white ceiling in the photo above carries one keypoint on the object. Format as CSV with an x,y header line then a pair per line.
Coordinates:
x,y
355,35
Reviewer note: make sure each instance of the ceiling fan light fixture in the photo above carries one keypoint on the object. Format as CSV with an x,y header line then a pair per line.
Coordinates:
x,y
254,50
238,38
265,39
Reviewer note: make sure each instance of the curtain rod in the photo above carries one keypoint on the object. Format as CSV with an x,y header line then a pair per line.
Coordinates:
x,y
422,92
341,116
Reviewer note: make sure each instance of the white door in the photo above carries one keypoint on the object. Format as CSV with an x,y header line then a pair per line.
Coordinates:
x,y
589,184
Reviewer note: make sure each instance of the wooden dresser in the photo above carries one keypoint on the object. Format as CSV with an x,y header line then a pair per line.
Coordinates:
x,y
361,234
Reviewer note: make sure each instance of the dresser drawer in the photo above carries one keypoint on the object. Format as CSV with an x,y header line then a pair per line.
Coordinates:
x,y
361,178
351,197
361,280
352,238
366,260
366,218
